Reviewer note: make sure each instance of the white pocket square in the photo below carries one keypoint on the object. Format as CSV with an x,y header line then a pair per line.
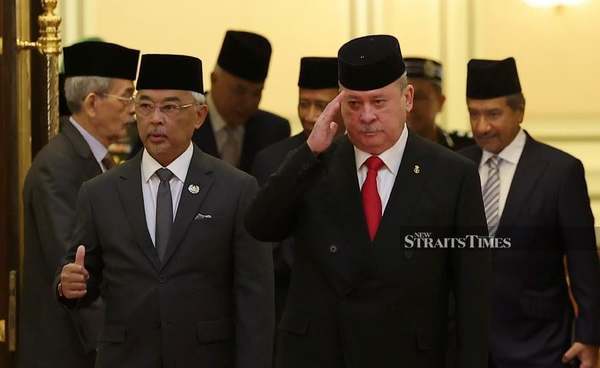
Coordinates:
x,y
201,216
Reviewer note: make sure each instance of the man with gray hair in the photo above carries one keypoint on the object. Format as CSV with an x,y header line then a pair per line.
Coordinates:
x,y
163,242
99,89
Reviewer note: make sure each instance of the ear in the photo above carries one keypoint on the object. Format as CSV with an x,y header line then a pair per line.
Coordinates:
x,y
441,100
201,113
409,94
521,115
89,105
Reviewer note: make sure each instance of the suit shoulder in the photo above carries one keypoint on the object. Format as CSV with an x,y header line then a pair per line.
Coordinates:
x,y
280,148
445,156
58,152
558,157
270,117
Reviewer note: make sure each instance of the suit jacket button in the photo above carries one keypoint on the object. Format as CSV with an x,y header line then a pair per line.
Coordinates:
x,y
162,279
333,249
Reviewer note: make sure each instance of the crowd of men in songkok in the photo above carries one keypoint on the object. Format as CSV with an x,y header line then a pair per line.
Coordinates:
x,y
372,238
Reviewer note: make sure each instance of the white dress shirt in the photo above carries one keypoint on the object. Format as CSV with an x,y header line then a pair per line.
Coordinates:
x,y
98,149
150,182
387,174
507,165
219,124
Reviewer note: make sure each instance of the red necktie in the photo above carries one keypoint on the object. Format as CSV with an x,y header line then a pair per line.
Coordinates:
x,y
370,196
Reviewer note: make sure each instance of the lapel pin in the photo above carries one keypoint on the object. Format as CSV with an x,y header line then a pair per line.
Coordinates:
x,y
194,189
417,169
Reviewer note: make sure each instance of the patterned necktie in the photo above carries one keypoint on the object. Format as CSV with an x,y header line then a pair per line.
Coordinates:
x,y
491,195
370,196
164,212
108,162
230,151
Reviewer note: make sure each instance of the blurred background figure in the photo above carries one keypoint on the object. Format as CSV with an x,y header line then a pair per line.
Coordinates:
x,y
236,129
426,77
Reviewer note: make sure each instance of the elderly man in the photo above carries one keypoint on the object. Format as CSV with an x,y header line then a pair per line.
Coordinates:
x,y
536,196
235,129
361,293
99,89
426,75
163,242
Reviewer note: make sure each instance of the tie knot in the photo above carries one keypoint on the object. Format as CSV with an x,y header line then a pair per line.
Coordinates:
x,y
108,162
493,162
164,174
374,163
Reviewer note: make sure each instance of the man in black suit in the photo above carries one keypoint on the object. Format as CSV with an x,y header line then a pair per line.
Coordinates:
x,y
163,242
99,89
318,86
236,129
536,197
362,294
426,77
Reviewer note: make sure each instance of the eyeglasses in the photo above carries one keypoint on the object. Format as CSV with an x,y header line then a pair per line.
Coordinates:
x,y
127,100
145,108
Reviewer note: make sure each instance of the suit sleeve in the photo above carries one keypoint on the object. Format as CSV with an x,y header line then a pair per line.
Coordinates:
x,y
578,237
471,270
253,283
53,200
85,234
271,216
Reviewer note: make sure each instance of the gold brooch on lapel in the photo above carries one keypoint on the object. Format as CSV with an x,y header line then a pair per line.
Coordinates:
x,y
417,169
194,189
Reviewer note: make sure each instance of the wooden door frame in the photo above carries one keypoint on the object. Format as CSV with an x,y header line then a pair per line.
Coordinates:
x,y
10,157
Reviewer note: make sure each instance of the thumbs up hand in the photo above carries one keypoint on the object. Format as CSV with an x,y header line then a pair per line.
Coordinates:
x,y
74,276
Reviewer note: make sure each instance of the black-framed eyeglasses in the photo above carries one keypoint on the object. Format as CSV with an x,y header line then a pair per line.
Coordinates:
x,y
145,108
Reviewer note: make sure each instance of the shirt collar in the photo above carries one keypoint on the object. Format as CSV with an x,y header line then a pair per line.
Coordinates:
x,y
391,157
97,148
179,167
510,153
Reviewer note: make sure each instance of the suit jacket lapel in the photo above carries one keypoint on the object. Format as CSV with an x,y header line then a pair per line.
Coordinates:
x,y
92,168
199,174
130,193
529,169
405,193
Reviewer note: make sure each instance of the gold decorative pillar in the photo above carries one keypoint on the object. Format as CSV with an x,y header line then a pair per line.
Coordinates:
x,y
49,45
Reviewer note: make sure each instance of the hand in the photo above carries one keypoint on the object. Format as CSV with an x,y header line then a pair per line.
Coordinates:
x,y
323,132
587,355
74,276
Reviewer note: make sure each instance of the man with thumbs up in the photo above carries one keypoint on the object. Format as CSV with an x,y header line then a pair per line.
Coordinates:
x,y
161,239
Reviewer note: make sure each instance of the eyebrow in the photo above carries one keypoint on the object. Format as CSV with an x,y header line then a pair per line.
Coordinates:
x,y
167,99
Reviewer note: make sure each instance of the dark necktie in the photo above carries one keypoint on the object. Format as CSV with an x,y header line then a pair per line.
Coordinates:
x,y
164,212
370,196
108,162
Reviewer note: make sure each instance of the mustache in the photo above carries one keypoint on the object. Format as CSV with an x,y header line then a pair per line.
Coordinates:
x,y
159,130
369,129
